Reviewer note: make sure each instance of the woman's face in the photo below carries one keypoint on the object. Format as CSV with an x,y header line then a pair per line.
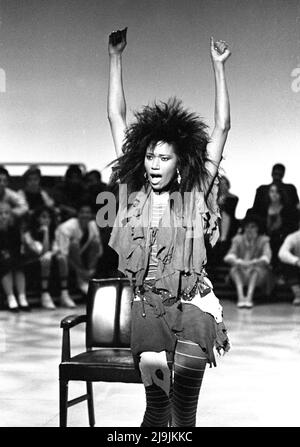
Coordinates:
x,y
274,194
85,215
160,165
45,219
33,183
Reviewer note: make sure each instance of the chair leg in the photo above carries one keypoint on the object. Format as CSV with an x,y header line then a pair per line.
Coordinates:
x,y
90,402
63,402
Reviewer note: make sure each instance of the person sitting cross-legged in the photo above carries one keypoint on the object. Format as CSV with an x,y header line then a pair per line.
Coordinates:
x,y
40,248
12,276
79,240
249,256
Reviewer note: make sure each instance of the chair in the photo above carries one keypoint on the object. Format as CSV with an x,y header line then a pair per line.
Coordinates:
x,y
108,356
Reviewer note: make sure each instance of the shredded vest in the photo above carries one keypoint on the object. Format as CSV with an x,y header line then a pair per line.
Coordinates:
x,y
180,238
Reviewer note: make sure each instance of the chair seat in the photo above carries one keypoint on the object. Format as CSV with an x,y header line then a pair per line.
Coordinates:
x,y
105,364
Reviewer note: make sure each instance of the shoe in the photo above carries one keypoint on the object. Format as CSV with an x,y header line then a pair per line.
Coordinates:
x,y
12,304
296,301
47,302
240,304
66,300
83,286
248,304
23,303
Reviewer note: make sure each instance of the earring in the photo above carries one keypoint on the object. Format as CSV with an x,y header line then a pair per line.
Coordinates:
x,y
145,175
178,177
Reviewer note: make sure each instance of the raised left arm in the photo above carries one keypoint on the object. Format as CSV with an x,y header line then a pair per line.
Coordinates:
x,y
219,54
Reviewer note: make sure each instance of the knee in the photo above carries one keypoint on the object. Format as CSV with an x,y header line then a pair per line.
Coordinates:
x,y
45,262
62,259
46,257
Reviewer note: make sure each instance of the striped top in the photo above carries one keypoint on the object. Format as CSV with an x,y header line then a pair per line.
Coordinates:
x,y
159,203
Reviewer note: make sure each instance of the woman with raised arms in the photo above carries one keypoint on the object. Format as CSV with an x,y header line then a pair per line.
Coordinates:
x,y
177,320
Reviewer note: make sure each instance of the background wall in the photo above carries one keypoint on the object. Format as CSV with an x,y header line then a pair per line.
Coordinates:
x,y
54,57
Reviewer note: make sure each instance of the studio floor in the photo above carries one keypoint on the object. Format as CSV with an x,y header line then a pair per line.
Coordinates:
x,y
255,385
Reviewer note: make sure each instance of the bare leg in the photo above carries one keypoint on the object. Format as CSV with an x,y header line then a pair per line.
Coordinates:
x,y
239,284
63,271
251,288
19,278
46,299
296,292
45,272
76,260
91,255
65,299
8,287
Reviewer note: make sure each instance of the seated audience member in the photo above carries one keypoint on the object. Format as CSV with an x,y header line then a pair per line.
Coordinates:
x,y
228,223
279,219
289,254
69,192
17,203
249,257
94,185
40,247
79,239
108,265
32,193
11,270
262,193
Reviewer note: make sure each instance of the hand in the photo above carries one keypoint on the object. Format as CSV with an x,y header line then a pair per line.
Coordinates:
x,y
47,256
221,199
219,50
242,263
44,228
117,41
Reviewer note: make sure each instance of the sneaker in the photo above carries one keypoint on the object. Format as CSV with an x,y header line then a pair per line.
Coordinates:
x,y
83,286
66,300
46,301
248,304
23,302
296,301
12,303
240,304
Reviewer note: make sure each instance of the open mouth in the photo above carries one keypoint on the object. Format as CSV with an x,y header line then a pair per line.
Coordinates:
x,y
155,176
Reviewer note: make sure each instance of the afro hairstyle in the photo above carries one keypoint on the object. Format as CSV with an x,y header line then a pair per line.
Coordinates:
x,y
166,122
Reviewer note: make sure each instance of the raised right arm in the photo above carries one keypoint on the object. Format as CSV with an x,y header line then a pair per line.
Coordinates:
x,y
116,105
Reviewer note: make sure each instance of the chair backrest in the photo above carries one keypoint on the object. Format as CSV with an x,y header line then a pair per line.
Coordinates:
x,y
109,313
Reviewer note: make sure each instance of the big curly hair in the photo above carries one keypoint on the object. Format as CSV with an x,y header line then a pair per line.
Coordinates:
x,y
166,122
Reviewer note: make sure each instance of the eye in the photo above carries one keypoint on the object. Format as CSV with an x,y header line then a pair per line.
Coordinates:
x,y
164,158
149,157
